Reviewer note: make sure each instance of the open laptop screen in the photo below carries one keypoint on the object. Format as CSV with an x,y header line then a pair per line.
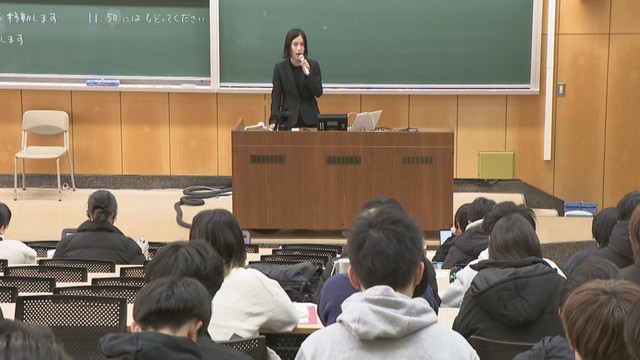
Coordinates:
x,y
444,235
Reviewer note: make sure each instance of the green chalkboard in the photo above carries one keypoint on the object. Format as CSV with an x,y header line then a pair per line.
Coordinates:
x,y
158,38
456,43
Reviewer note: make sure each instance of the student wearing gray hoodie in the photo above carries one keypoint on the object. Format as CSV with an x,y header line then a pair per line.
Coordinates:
x,y
383,321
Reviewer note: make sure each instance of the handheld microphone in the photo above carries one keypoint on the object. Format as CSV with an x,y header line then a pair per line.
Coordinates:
x,y
304,69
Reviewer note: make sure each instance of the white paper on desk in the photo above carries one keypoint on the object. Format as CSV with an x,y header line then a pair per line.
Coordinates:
x,y
257,127
307,313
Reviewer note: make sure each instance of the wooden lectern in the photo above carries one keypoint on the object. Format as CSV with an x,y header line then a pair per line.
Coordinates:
x,y
318,180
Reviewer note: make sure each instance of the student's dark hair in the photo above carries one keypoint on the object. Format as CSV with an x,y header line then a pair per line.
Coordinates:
x,y
479,208
221,230
602,224
20,341
195,259
288,39
593,268
632,330
5,215
627,204
507,208
461,218
513,238
634,235
171,302
385,248
594,317
101,205
379,202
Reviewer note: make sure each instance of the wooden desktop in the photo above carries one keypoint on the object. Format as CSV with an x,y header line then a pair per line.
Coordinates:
x,y
318,180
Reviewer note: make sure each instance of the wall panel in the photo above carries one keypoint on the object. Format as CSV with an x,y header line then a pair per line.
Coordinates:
x,y
624,16
396,109
621,170
11,125
193,133
339,104
584,17
481,127
145,134
252,107
97,131
580,117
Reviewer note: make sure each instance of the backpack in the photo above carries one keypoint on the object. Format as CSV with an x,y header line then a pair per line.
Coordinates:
x,y
299,280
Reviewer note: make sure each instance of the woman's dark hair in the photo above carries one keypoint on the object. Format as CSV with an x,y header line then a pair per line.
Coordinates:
x,y
102,204
593,268
20,341
627,204
602,225
632,330
221,230
5,215
288,39
634,235
461,218
513,238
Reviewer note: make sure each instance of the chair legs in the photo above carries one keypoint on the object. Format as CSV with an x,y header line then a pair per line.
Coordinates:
x,y
58,174
73,179
15,179
24,187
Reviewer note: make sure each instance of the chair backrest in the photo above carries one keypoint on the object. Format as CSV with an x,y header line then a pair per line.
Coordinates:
x,y
489,349
252,248
3,264
124,281
121,291
331,247
94,266
8,294
42,247
60,273
29,284
256,346
304,251
78,322
45,122
154,246
316,259
133,271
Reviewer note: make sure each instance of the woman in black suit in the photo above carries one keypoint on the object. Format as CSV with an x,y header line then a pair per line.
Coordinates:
x,y
297,82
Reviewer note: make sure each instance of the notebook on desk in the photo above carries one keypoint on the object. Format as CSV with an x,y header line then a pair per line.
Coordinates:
x,y
366,121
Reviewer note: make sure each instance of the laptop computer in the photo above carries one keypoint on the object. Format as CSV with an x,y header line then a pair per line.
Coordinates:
x,y
366,121
444,235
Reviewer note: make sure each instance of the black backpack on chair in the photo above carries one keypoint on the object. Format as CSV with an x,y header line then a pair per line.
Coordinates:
x,y
299,280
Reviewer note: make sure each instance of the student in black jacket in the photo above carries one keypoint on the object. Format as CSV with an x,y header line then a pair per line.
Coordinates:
x,y
98,238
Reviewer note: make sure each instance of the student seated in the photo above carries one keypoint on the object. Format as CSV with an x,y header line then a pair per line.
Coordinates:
x,y
557,347
383,321
601,228
248,300
461,220
14,251
619,249
514,297
195,259
632,331
98,238
167,315
594,317
632,272
20,341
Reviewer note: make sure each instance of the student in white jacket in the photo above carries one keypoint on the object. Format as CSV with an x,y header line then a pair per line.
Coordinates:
x,y
383,321
13,250
452,295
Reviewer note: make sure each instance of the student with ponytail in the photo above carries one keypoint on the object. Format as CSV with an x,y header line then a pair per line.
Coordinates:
x,y
98,238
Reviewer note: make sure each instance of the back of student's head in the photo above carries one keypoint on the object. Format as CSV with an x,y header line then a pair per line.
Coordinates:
x,y
507,208
195,259
5,216
634,235
170,303
385,248
379,202
461,218
20,341
632,331
101,205
479,208
602,224
513,238
593,268
221,230
627,204
594,315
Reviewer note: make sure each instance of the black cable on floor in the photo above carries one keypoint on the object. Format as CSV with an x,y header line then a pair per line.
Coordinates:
x,y
194,196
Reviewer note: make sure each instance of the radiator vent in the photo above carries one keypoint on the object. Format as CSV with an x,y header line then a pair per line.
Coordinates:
x,y
418,160
267,159
343,160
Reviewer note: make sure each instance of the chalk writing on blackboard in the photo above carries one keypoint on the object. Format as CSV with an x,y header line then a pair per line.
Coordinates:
x,y
15,17
116,17
15,39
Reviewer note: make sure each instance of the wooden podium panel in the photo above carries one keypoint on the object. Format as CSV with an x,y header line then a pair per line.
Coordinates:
x,y
319,180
